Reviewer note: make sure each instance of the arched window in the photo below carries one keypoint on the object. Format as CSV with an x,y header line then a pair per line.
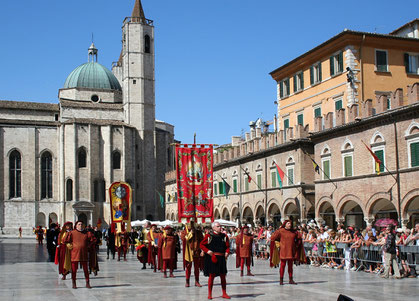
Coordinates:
x,y
147,44
14,175
69,190
81,157
46,175
116,160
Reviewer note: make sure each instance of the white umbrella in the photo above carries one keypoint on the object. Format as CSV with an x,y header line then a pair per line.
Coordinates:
x,y
225,223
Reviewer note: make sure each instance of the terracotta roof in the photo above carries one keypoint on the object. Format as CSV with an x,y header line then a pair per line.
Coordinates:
x,y
26,105
17,122
90,105
102,122
405,25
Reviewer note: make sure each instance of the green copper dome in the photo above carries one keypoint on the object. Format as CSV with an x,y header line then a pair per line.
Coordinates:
x,y
92,75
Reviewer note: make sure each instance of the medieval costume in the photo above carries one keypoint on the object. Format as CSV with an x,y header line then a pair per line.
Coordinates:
x,y
80,241
244,244
167,243
191,239
40,235
121,243
92,252
133,235
110,243
52,238
152,237
216,248
63,254
290,248
142,248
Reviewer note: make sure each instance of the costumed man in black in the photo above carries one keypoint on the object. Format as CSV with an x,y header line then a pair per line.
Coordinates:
x,y
52,238
110,242
133,235
216,248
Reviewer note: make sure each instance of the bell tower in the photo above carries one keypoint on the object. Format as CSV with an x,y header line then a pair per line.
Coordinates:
x,y
136,73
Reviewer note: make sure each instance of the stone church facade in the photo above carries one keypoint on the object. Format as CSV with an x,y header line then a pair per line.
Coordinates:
x,y
58,160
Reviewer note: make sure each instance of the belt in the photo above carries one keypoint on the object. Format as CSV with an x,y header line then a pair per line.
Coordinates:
x,y
219,254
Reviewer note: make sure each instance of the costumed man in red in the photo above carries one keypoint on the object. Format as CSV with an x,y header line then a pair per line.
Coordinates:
x,y
152,238
216,248
191,240
167,243
40,235
63,254
290,249
121,243
244,244
80,239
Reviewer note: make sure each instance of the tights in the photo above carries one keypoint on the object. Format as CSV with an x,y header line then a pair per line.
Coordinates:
x,y
242,260
196,268
282,269
211,283
74,265
168,263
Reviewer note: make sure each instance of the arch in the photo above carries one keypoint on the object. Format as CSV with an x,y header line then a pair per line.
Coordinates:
x,y
116,160
343,201
168,216
325,149
410,209
377,137
248,216
83,217
81,157
52,218
351,209
274,213
216,214
375,197
69,190
147,44
407,199
40,219
172,217
235,173
15,174
326,211
381,207
225,214
235,213
260,214
46,175
290,160
412,128
347,145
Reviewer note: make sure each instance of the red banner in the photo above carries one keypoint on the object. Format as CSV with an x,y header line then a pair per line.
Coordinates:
x,y
194,181
120,201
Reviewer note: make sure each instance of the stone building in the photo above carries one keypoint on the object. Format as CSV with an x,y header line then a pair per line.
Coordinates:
x,y
58,160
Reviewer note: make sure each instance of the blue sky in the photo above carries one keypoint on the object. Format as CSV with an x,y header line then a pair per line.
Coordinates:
x,y
213,57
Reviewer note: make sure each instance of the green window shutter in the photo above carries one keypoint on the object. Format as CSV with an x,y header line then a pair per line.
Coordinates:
x,y
286,123
281,89
235,185
340,59
311,75
381,59
317,112
291,176
414,154
246,184
273,177
221,187
302,80
332,65
406,62
348,166
215,189
326,169
259,177
295,83
287,84
300,119
338,105
320,72
380,155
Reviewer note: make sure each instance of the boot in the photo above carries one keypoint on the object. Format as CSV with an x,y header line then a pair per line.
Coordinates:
x,y
164,274
241,273
88,284
187,283
281,281
74,283
64,277
249,273
225,296
197,283
292,281
144,267
171,274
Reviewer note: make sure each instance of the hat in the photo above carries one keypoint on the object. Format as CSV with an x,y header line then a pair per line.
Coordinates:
x,y
245,227
399,230
153,225
168,228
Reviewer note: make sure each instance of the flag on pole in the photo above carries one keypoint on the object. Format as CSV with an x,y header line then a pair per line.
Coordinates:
x,y
315,166
161,200
249,178
226,187
280,174
377,161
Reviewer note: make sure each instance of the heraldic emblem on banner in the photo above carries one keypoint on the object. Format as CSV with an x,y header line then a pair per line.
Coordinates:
x,y
120,195
194,177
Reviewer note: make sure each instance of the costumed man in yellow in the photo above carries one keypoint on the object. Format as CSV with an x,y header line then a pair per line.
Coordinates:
x,y
191,239
121,243
152,237
63,253
142,246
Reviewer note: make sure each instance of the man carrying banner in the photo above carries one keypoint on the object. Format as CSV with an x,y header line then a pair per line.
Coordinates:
x,y
191,239
121,243
216,248
167,243
152,237
244,243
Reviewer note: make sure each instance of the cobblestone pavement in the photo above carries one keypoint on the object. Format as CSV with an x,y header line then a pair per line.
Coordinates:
x,y
26,275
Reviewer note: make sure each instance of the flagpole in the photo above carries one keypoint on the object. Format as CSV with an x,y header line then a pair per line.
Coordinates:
x,y
321,171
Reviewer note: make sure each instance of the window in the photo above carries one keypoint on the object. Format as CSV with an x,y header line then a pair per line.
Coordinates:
x,y
246,184
381,61
326,169
411,63
317,112
300,119
46,175
81,157
215,189
338,104
69,190
259,180
290,173
380,156
336,64
347,166
273,178
286,126
234,185
96,191
414,154
116,160
284,88
315,73
221,187
15,175
147,44
298,82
